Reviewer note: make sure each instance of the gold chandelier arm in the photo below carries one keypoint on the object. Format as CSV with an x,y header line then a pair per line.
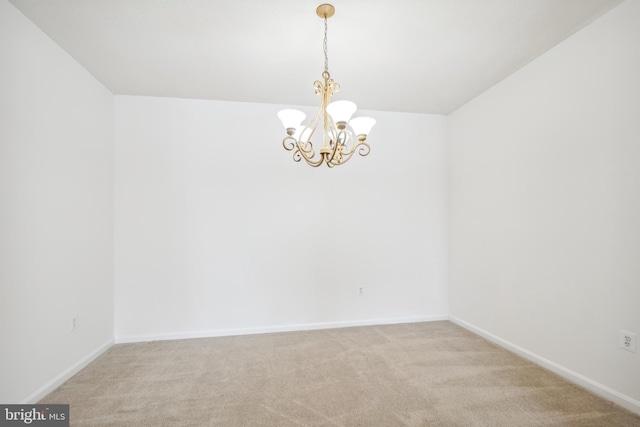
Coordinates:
x,y
345,148
301,150
363,150
302,146
332,151
305,149
362,147
289,143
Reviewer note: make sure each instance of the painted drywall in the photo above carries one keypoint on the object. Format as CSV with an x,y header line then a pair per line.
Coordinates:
x,y
219,231
56,211
545,205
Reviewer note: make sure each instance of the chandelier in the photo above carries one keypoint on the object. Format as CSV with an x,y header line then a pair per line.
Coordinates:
x,y
339,141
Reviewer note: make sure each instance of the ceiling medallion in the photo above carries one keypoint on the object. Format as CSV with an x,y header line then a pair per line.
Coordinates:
x,y
339,141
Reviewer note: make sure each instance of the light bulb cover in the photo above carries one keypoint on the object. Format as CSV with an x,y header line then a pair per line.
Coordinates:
x,y
341,111
362,125
291,119
302,133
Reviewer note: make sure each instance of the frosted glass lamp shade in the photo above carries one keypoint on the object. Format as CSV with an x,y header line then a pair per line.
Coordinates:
x,y
291,119
302,133
362,125
341,111
298,131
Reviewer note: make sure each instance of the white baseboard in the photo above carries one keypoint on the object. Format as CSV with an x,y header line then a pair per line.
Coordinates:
x,y
64,376
594,387
270,329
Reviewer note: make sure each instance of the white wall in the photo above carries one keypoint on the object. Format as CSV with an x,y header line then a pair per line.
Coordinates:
x,y
545,206
218,230
56,211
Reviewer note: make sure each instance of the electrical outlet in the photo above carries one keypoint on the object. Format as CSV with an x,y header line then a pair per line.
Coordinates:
x,y
74,323
360,291
627,340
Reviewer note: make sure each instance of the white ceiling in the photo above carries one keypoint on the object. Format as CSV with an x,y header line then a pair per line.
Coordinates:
x,y
425,56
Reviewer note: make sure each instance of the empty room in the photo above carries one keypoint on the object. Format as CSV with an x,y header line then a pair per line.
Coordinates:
x,y
288,213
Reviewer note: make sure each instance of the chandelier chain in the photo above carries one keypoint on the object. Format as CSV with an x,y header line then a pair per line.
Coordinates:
x,y
324,47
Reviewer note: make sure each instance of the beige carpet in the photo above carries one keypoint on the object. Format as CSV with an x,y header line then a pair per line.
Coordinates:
x,y
419,374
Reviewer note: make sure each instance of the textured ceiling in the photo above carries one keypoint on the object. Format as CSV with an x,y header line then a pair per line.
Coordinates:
x,y
426,56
